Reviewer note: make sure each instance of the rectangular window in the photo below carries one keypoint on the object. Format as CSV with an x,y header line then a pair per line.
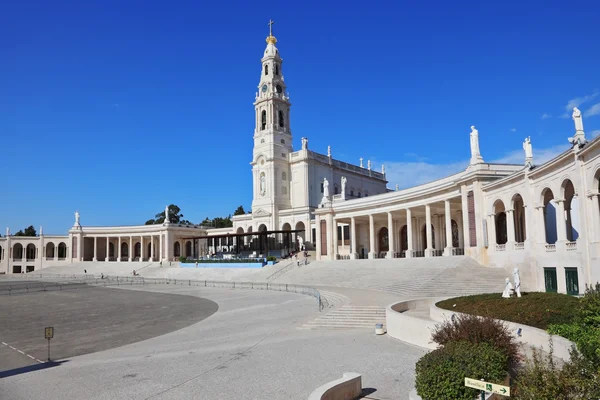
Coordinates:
x,y
550,280
572,281
313,234
347,232
472,229
339,233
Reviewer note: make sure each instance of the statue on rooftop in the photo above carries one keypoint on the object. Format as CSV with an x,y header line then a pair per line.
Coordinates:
x,y
304,143
77,218
329,151
167,220
528,152
361,162
325,188
475,154
577,119
369,165
344,187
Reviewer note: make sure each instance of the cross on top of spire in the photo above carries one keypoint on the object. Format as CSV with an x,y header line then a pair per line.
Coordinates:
x,y
271,22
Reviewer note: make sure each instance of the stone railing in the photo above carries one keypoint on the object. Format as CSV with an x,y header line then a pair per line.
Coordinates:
x,y
437,253
519,246
501,247
571,246
550,248
456,251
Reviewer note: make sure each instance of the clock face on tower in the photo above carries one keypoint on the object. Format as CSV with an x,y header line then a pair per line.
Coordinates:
x,y
279,89
264,88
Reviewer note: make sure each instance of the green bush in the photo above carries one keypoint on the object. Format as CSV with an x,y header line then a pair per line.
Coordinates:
x,y
441,373
584,331
541,379
182,259
474,329
271,258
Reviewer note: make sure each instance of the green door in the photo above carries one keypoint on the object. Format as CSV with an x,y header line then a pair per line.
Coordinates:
x,y
550,280
572,281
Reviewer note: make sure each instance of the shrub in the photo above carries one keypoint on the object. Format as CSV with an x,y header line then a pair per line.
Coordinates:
x,y
441,373
182,259
542,378
584,331
474,329
271,258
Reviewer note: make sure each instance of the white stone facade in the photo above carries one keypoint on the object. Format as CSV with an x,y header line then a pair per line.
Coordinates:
x,y
543,219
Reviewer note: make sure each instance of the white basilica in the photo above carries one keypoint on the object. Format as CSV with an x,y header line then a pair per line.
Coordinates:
x,y
543,219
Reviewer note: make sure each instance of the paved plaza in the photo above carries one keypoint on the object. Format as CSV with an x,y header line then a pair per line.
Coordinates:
x,y
253,347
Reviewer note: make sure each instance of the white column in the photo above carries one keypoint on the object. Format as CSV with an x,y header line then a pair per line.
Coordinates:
x,y
119,249
371,237
595,219
318,236
461,236
151,248
561,225
107,249
465,217
492,239
541,224
448,249
130,248
427,243
391,236
95,248
160,247
353,252
409,233
510,229
334,227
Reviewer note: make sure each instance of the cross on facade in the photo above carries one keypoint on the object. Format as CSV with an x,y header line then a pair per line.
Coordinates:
x,y
271,22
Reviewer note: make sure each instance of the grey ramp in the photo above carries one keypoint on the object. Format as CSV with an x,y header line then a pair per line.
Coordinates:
x,y
93,319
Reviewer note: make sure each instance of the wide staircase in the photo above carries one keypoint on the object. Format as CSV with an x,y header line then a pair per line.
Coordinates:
x,y
408,278
346,317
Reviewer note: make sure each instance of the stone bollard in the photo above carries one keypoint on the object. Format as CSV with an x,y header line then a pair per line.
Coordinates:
x,y
379,329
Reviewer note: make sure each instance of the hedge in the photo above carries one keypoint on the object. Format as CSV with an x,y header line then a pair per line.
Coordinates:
x,y
441,373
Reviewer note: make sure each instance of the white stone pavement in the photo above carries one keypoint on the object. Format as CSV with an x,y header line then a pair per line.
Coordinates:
x,y
251,349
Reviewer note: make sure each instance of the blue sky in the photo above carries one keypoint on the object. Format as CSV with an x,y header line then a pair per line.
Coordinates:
x,y
116,108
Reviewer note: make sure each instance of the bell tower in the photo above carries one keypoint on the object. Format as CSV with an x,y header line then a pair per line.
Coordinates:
x,y
272,137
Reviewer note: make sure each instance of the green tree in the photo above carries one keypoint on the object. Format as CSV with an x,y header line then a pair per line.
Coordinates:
x,y
239,211
175,217
29,231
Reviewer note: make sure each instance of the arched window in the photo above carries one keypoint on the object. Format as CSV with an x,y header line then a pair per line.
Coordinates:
x,y
322,190
266,70
276,69
284,176
263,120
281,121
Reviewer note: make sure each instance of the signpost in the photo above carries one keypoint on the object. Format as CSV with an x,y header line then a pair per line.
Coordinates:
x,y
49,334
487,387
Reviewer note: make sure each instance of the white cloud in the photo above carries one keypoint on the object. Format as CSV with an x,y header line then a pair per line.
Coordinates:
x,y
408,174
546,116
576,102
593,110
513,129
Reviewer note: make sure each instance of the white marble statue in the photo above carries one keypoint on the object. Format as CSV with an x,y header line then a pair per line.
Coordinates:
x,y
304,143
577,119
383,169
329,151
369,165
517,281
77,218
397,187
528,152
41,230
263,184
167,220
475,154
300,243
325,189
361,162
508,289
344,187
7,231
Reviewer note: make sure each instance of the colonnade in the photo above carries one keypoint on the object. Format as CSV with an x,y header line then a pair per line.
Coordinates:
x,y
426,230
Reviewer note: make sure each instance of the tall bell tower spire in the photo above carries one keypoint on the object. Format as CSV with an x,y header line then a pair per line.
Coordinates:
x,y
272,135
